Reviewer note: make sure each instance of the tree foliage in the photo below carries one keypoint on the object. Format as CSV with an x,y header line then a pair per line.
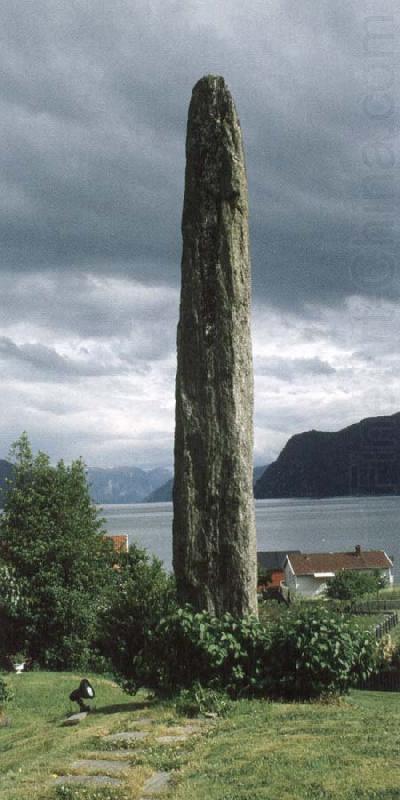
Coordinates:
x,y
351,584
144,594
56,564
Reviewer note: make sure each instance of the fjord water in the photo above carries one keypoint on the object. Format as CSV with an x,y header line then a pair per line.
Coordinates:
x,y
333,524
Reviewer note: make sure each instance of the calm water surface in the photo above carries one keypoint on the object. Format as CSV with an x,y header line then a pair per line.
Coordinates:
x,y
334,524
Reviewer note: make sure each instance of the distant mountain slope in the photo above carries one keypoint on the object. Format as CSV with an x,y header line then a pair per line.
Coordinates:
x,y
124,484
257,472
6,470
359,460
164,493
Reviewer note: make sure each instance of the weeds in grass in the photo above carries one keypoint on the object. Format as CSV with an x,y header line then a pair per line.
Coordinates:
x,y
84,793
202,700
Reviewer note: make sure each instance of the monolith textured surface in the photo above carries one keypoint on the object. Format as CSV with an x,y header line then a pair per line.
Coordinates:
x,y
214,541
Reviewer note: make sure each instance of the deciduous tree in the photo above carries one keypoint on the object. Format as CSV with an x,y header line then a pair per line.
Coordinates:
x,y
52,543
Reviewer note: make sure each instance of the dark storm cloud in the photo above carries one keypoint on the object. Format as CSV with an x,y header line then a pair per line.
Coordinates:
x,y
93,111
93,106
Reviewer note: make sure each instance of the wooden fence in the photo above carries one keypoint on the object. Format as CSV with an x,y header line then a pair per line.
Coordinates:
x,y
382,682
373,606
386,626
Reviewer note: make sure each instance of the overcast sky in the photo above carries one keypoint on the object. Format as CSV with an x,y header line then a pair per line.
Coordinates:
x,y
94,99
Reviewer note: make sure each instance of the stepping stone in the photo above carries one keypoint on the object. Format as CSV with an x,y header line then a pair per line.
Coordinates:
x,y
192,728
122,753
75,719
182,730
183,737
91,780
99,765
126,736
142,721
157,784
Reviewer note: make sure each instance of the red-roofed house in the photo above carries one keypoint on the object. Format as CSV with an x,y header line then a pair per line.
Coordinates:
x,y
308,573
120,542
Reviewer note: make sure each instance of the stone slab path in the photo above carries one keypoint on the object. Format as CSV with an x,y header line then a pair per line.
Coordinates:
x,y
91,780
125,753
115,764
126,736
171,739
75,719
157,784
100,765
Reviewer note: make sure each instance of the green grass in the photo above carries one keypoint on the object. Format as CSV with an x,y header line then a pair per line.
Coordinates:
x,y
261,751
35,747
283,751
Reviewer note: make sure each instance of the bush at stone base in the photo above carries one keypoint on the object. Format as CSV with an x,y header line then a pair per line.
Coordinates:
x,y
152,642
317,653
224,653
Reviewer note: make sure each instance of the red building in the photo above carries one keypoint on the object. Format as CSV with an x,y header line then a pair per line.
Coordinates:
x,y
270,565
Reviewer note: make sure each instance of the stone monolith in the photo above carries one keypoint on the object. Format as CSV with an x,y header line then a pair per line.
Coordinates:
x,y
214,542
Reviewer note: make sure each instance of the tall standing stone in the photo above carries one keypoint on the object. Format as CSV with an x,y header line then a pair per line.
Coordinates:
x,y
214,542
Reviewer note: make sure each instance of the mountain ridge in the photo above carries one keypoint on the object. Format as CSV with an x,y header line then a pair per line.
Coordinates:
x,y
108,484
164,493
124,484
360,459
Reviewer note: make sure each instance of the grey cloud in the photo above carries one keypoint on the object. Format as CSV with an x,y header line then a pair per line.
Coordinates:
x,y
144,317
50,364
94,104
288,369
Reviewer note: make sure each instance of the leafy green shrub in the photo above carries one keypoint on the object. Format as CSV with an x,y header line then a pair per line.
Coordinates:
x,y
353,584
202,700
151,642
154,643
225,652
388,655
316,652
143,594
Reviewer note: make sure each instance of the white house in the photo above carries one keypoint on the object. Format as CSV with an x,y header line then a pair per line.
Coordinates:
x,y
308,573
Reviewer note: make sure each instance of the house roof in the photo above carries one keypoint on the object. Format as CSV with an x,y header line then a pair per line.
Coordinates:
x,y
120,542
273,559
314,563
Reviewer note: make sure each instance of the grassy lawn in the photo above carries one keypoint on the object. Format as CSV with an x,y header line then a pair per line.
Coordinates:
x,y
297,751
261,751
34,747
